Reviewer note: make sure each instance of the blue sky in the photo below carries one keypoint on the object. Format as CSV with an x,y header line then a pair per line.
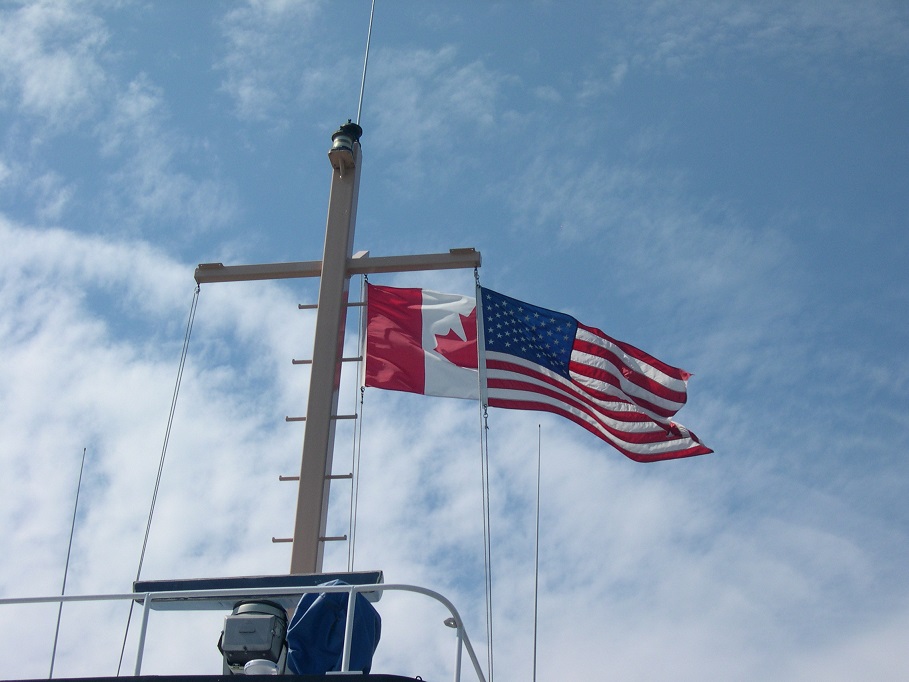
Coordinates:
x,y
723,184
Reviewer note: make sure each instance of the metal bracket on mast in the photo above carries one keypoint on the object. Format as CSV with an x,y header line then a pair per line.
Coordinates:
x,y
338,264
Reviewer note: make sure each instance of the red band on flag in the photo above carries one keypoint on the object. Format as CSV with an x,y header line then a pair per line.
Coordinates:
x,y
394,327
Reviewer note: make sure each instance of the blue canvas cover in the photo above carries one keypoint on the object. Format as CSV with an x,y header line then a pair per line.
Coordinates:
x,y
315,637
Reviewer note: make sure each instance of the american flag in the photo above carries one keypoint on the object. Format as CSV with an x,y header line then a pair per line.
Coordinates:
x,y
539,359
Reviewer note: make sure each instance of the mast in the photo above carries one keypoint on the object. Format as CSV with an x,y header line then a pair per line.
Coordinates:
x,y
318,441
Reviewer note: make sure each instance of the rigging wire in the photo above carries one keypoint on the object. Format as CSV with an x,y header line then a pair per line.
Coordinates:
x,y
69,551
170,423
536,557
487,545
484,471
355,487
372,11
358,428
358,437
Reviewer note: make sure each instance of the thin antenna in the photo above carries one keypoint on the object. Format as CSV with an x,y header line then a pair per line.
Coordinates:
x,y
536,560
372,11
69,551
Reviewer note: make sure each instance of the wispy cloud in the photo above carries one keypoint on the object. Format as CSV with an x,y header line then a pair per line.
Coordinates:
x,y
661,548
425,102
52,195
53,70
673,33
50,61
76,377
150,185
266,50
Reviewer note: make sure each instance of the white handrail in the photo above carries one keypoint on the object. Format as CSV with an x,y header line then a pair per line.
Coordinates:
x,y
148,598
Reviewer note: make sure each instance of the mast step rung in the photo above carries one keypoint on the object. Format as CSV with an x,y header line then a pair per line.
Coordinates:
x,y
333,538
309,362
276,540
332,477
315,306
334,416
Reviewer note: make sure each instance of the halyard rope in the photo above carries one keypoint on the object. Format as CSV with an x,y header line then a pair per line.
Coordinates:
x,y
484,471
358,436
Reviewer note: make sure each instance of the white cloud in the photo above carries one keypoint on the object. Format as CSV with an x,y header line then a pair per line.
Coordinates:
x,y
75,378
547,93
265,54
50,61
150,185
430,92
803,33
52,194
428,101
52,72
875,653
633,556
642,221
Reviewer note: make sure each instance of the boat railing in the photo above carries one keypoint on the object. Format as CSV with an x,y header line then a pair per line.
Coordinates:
x,y
188,597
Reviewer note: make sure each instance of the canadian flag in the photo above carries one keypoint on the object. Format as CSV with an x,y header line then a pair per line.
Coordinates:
x,y
422,341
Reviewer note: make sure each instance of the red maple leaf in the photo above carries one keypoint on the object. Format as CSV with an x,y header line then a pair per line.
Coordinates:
x,y
458,351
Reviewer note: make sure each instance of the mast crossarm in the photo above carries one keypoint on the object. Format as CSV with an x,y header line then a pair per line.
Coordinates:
x,y
208,273
453,260
218,272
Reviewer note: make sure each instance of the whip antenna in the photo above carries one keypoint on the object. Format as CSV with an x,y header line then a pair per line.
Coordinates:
x,y
372,11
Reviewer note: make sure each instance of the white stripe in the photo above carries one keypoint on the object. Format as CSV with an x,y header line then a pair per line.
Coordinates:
x,y
634,363
628,388
651,449
570,392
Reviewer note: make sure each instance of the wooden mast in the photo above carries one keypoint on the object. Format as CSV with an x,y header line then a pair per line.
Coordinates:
x,y
318,441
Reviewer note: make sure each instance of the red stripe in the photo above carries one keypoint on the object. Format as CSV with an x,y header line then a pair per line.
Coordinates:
x,y
695,448
501,394
633,443
615,408
630,374
657,435
631,414
606,378
638,354
394,339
